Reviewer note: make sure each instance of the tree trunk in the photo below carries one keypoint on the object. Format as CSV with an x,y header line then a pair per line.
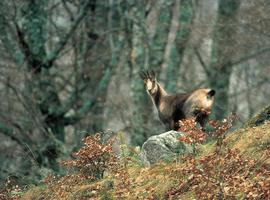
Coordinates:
x,y
178,37
139,57
222,54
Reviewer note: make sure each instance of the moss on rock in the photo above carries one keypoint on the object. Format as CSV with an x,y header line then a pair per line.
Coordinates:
x,y
260,118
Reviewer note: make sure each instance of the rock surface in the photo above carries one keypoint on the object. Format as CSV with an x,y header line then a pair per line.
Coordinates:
x,y
163,147
259,118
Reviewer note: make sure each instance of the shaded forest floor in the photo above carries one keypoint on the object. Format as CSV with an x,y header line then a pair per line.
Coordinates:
x,y
240,170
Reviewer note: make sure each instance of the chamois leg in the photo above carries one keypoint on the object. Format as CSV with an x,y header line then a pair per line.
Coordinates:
x,y
174,125
202,121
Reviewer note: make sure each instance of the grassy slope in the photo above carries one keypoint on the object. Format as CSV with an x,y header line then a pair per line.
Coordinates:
x,y
252,142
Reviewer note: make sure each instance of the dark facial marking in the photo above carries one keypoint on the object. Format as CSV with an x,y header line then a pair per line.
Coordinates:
x,y
157,96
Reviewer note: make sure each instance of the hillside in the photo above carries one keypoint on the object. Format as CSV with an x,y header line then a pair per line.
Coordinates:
x,y
245,164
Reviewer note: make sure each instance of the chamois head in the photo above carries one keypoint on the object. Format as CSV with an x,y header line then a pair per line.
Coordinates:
x,y
150,81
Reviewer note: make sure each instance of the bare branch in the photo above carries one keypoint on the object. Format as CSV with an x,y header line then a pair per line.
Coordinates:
x,y
250,56
65,5
91,102
9,132
207,71
54,54
30,58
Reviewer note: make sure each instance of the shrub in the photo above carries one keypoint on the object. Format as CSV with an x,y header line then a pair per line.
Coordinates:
x,y
10,191
93,158
195,135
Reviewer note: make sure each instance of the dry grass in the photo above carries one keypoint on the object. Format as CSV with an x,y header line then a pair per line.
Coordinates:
x,y
252,142
153,182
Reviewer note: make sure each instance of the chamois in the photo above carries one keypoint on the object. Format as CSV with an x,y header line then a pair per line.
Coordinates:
x,y
172,108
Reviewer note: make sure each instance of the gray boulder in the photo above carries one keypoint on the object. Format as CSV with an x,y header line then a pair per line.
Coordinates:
x,y
164,147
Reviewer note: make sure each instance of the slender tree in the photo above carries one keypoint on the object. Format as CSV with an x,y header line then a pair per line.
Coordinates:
x,y
223,53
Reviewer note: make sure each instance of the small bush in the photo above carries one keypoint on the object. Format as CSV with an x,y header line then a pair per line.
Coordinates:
x,y
93,158
195,135
10,191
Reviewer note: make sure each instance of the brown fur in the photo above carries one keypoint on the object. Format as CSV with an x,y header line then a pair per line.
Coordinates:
x,y
172,108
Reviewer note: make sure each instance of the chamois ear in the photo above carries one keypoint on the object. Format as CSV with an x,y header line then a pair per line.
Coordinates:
x,y
153,75
143,75
211,93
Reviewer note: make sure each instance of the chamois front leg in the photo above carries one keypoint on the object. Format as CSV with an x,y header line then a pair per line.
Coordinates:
x,y
169,125
202,121
174,125
202,117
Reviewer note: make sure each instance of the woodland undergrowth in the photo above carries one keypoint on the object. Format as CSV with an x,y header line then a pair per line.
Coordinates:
x,y
223,173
